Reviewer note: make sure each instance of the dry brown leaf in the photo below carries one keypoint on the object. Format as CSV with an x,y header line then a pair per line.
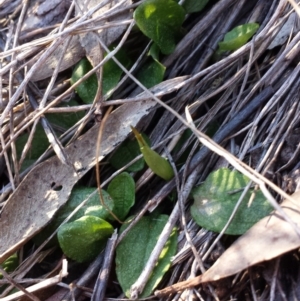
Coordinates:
x,y
270,237
86,43
89,40
74,53
43,13
47,187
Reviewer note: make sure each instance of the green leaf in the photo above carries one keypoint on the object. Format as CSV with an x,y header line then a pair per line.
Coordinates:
x,y
92,207
127,151
193,6
160,20
238,36
151,74
111,76
83,239
10,264
154,51
122,190
80,194
159,165
216,198
39,144
135,249
86,90
65,120
112,72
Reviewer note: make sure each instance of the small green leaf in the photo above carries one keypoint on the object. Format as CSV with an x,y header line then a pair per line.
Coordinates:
x,y
86,90
39,144
112,72
154,51
193,6
65,120
122,190
127,151
151,74
238,36
111,76
135,249
159,165
216,198
160,20
80,194
10,264
83,239
92,207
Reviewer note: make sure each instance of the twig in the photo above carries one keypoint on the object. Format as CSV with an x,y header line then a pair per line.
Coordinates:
x,y
101,282
139,285
99,138
274,279
181,201
86,277
221,134
17,285
36,287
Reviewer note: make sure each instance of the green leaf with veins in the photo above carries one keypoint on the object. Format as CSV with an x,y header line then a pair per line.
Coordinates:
x,y
216,198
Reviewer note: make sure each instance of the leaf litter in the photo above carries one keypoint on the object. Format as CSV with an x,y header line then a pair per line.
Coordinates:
x,y
214,92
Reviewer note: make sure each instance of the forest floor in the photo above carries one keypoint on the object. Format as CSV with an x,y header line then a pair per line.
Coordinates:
x,y
208,111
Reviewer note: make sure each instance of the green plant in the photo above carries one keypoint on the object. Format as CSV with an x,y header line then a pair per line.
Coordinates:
x,y
133,252
111,76
193,6
238,37
83,239
216,198
160,20
159,165
128,151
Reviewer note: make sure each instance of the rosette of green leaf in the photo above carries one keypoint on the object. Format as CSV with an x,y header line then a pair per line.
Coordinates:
x,y
159,165
238,37
92,207
127,151
122,191
215,199
134,251
83,239
160,20
111,76
193,6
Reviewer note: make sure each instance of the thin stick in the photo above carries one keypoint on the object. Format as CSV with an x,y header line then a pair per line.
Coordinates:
x,y
99,138
87,276
17,285
101,283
